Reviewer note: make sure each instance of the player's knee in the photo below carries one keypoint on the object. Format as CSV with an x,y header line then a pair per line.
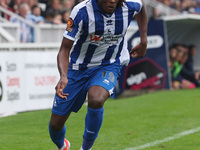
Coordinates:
x,y
96,101
55,126
97,96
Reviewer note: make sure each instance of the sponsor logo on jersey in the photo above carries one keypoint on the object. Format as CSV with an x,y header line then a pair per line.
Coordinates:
x,y
105,39
94,38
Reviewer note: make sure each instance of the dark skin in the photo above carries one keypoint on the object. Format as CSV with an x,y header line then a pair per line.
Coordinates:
x,y
107,6
140,50
97,95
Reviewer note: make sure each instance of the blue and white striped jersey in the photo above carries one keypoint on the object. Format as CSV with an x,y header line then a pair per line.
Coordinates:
x,y
99,39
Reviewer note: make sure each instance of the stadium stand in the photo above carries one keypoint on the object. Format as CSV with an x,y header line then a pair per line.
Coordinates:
x,y
46,35
53,12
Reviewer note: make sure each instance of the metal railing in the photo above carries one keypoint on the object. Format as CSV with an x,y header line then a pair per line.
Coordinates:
x,y
42,32
52,32
7,12
29,47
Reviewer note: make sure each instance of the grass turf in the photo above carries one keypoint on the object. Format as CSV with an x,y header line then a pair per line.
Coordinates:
x,y
128,122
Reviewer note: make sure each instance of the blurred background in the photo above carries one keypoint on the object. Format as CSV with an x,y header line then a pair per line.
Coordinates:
x,y
30,36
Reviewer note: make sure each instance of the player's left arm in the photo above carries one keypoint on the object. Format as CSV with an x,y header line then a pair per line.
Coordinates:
x,y
141,18
63,65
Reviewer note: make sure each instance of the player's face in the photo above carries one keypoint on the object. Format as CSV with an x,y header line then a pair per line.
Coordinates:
x,y
107,6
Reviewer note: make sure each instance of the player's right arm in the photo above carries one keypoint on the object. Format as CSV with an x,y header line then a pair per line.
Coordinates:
x,y
74,26
63,65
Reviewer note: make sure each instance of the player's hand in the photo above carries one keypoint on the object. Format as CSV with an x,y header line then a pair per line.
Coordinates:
x,y
139,50
197,74
60,87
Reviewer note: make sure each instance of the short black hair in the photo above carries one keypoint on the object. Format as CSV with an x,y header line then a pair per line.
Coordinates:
x,y
120,4
34,6
191,46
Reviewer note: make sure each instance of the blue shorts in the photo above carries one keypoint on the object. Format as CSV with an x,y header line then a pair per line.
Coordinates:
x,y
79,82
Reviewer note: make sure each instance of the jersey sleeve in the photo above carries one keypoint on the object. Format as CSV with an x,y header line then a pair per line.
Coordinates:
x,y
135,5
74,25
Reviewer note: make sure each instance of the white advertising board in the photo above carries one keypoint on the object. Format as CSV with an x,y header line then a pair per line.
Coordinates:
x,y
27,80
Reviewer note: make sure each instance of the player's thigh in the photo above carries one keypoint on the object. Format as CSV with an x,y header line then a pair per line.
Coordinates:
x,y
102,85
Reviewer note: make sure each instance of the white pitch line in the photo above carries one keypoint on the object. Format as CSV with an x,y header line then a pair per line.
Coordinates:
x,y
176,136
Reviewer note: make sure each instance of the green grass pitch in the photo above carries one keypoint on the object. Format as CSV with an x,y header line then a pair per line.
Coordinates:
x,y
128,123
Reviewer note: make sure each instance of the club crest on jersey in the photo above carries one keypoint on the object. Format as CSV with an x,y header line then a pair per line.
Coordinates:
x,y
69,25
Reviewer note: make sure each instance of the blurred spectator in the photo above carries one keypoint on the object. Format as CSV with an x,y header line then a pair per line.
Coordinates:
x,y
57,19
14,5
49,16
55,6
24,1
172,54
189,62
187,70
50,8
53,10
53,17
25,29
65,16
182,6
32,3
43,5
177,5
159,10
176,65
5,4
35,15
182,54
68,4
